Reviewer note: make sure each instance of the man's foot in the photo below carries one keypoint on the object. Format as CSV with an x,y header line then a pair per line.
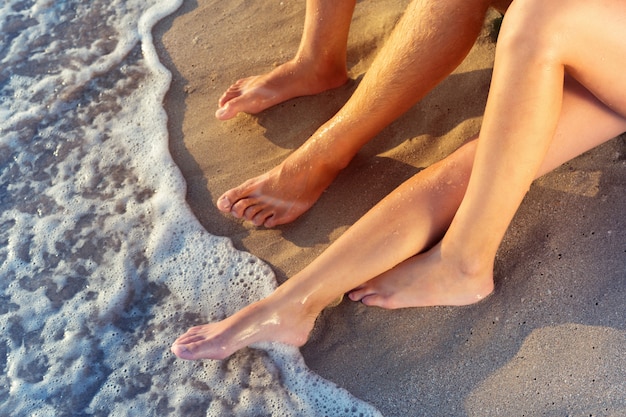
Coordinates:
x,y
263,321
424,280
291,79
282,194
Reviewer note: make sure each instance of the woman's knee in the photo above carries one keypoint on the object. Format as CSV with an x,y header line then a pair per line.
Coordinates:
x,y
532,27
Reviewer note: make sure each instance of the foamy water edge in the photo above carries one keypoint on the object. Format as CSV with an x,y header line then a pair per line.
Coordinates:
x,y
103,263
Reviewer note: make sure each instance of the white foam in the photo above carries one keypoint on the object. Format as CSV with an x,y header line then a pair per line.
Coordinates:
x,y
102,264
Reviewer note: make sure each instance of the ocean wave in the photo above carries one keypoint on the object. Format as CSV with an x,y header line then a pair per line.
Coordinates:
x,y
102,263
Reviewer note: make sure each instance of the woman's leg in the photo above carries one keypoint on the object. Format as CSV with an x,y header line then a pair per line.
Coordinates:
x,y
319,64
539,42
405,286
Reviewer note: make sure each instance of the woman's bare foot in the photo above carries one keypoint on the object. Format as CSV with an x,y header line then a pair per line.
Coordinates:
x,y
424,280
285,192
268,320
291,79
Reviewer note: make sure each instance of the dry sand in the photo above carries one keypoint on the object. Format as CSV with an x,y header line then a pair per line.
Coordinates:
x,y
550,341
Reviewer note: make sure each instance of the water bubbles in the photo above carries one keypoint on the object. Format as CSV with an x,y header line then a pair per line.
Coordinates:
x,y
102,263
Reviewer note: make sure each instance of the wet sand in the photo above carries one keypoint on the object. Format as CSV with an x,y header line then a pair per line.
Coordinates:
x,y
551,340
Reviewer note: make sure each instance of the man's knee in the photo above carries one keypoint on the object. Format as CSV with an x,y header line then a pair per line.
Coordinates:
x,y
501,5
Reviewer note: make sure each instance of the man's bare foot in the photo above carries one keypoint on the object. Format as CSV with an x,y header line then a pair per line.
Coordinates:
x,y
423,280
263,321
284,193
291,79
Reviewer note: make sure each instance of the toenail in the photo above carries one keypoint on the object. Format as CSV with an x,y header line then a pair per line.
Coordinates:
x,y
224,203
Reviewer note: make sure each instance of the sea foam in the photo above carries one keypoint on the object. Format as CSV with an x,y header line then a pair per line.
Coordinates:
x,y
102,262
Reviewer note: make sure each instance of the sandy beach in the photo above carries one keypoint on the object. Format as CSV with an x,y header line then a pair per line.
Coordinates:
x,y
551,340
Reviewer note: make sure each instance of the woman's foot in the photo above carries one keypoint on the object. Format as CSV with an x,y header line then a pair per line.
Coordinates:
x,y
292,79
424,280
268,320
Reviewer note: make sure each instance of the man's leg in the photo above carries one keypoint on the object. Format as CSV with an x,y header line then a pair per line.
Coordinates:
x,y
428,43
319,64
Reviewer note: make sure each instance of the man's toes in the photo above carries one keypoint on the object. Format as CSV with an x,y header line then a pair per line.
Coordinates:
x,y
224,204
227,96
282,216
233,91
241,206
272,221
262,216
227,111
251,213
234,200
